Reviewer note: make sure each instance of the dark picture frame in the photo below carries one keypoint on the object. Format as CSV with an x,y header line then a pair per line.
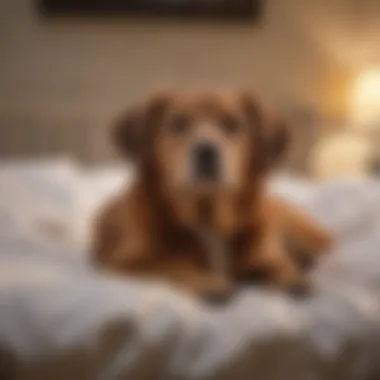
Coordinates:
x,y
226,9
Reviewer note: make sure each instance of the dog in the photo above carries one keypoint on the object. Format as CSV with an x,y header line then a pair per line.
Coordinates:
x,y
199,214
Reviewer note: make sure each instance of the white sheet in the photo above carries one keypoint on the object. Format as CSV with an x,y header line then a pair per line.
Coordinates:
x,y
61,320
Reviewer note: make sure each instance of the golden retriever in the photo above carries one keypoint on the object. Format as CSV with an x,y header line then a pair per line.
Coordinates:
x,y
199,214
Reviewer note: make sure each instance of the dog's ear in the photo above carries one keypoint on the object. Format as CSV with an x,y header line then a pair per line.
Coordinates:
x,y
271,134
134,130
279,138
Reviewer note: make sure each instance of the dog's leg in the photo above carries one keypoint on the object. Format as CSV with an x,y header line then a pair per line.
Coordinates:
x,y
271,258
268,258
201,282
120,241
187,276
305,237
217,254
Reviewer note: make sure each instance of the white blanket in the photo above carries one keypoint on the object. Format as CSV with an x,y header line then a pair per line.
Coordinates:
x,y
61,320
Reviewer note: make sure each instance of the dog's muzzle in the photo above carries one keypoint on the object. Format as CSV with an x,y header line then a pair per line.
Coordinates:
x,y
206,161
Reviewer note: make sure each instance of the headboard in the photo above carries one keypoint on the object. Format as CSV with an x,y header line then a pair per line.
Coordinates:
x,y
27,132
82,133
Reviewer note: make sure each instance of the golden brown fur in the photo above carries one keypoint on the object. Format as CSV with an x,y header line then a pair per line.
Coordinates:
x,y
153,229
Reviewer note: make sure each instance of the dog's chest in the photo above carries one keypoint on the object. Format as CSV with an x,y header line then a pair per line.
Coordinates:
x,y
217,251
206,239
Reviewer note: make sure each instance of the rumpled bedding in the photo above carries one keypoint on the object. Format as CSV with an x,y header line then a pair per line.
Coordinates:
x,y
60,319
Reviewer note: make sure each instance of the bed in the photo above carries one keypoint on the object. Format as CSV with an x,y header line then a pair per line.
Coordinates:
x,y
61,319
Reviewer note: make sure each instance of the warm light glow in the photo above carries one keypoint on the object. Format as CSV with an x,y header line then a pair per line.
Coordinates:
x,y
366,100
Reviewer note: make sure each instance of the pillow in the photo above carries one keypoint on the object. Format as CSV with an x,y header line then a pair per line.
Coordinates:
x,y
38,196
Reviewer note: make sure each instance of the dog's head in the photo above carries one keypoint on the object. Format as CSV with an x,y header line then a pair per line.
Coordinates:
x,y
203,142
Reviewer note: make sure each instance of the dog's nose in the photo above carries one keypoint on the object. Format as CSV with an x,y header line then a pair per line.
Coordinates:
x,y
207,161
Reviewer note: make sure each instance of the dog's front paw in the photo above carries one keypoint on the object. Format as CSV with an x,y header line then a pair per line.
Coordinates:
x,y
299,289
217,291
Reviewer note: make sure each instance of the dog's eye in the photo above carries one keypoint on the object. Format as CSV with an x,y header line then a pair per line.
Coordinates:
x,y
180,124
231,124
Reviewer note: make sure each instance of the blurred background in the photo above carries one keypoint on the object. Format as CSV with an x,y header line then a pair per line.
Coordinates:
x,y
67,68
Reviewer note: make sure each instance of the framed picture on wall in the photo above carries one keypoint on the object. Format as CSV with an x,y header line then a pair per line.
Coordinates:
x,y
233,9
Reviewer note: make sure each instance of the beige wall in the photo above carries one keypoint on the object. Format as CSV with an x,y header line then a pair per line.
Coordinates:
x,y
93,68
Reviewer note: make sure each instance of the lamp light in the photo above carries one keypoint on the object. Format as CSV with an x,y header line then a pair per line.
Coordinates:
x,y
366,100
